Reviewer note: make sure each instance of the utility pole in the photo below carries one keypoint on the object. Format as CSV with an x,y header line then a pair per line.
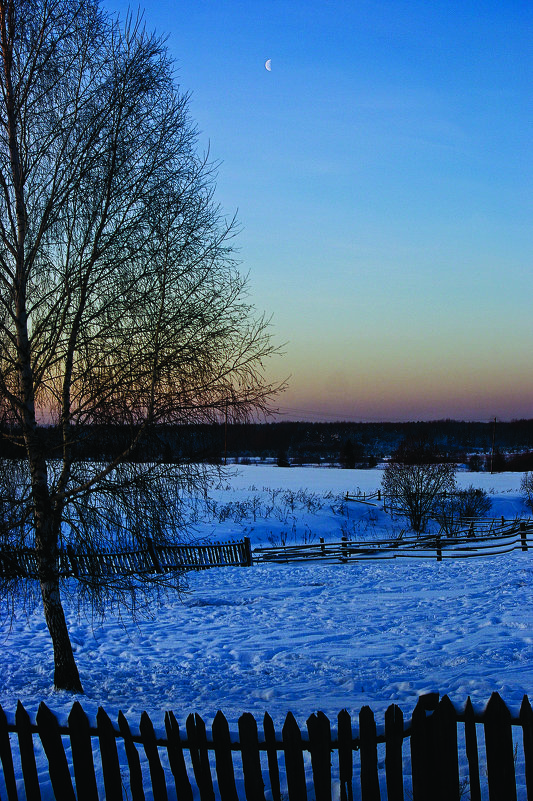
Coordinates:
x,y
493,438
226,435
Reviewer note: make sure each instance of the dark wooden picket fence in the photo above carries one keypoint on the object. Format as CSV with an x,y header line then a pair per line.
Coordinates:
x,y
481,538
22,562
435,756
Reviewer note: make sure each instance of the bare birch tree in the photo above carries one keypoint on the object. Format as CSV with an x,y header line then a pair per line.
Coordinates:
x,y
413,481
120,301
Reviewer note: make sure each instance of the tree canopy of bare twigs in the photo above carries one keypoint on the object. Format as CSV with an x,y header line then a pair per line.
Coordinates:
x,y
413,481
120,301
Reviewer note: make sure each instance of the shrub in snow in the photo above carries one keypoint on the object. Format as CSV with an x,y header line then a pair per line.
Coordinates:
x,y
451,511
282,460
476,463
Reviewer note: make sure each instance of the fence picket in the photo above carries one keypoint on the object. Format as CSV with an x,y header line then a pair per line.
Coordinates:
x,y
272,756
109,756
157,774
200,760
434,754
176,759
27,754
82,754
472,752
526,720
254,785
369,756
223,758
55,754
7,758
320,745
345,746
447,776
420,754
499,748
393,753
294,761
134,762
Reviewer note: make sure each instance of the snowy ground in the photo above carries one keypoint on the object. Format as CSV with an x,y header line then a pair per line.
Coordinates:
x,y
306,637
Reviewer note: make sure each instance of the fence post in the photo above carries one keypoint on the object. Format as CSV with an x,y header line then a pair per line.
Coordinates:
x,y
345,746
471,532
223,758
471,751
294,759
248,552
272,756
420,768
526,720
7,758
439,549
393,753
176,759
423,747
82,754
157,774
109,755
499,748
27,754
134,762
322,546
523,535
379,495
73,561
319,730
446,757
55,753
197,744
369,756
344,548
254,785
153,555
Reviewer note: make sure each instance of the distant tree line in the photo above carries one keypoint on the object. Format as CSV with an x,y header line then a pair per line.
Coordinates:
x,y
349,445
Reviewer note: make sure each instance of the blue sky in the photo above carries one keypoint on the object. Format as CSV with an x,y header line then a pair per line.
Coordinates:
x,y
382,173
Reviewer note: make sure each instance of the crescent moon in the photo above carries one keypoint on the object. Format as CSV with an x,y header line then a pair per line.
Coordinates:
x,y
268,64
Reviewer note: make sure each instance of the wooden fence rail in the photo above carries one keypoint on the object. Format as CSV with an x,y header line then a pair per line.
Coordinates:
x,y
433,756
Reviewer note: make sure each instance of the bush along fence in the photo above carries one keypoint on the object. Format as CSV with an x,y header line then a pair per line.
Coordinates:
x,y
436,756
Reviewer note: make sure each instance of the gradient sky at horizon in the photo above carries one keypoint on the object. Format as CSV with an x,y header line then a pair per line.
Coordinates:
x,y
382,173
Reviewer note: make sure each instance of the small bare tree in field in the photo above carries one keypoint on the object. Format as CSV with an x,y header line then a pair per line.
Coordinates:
x,y
526,488
414,479
120,302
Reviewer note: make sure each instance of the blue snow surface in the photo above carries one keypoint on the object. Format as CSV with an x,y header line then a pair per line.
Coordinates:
x,y
299,637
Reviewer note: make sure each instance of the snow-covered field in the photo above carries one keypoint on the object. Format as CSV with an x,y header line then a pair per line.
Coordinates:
x,y
307,637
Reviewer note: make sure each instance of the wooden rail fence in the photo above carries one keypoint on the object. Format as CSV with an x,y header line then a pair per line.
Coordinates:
x,y
433,756
473,541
